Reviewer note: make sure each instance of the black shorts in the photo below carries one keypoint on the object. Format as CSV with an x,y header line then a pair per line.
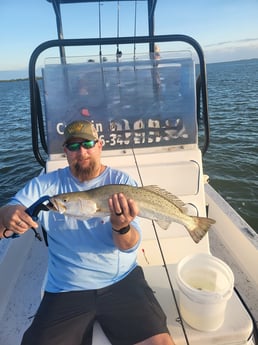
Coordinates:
x,y
127,311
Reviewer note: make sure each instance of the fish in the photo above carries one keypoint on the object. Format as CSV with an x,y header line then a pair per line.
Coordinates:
x,y
154,203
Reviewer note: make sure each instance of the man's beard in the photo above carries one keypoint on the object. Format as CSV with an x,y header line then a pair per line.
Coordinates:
x,y
84,174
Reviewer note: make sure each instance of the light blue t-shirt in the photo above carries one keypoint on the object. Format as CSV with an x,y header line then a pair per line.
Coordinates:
x,y
82,254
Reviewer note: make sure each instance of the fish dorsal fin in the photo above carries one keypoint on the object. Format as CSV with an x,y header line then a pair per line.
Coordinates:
x,y
166,195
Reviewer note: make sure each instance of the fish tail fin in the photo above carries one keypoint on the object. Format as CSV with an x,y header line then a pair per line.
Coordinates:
x,y
199,227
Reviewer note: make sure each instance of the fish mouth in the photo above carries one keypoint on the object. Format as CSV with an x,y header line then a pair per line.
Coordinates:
x,y
53,205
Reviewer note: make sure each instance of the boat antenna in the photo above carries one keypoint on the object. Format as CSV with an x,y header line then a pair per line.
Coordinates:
x,y
118,52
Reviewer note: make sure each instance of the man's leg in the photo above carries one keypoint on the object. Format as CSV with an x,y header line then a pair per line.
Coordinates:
x,y
62,319
159,339
130,314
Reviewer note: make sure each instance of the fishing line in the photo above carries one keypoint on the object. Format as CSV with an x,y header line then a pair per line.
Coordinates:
x,y
170,283
162,256
137,166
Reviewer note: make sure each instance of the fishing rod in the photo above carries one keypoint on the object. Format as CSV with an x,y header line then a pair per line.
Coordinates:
x,y
118,51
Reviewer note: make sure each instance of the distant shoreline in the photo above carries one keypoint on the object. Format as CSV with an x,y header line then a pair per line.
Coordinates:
x,y
207,63
11,80
17,79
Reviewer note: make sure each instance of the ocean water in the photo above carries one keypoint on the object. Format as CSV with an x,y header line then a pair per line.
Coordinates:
x,y
231,160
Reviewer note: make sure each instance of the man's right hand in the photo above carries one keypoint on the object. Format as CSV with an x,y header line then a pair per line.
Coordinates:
x,y
15,219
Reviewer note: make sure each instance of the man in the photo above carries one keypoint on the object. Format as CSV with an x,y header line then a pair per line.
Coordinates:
x,y
92,269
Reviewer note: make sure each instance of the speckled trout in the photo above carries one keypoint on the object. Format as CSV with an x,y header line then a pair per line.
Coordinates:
x,y
153,202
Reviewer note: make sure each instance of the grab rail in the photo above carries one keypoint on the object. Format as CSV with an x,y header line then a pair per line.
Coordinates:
x,y
37,121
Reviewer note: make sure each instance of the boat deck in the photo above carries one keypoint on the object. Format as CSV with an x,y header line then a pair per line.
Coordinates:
x,y
244,284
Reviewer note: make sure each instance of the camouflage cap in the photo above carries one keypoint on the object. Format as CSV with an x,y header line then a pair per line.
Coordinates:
x,y
80,129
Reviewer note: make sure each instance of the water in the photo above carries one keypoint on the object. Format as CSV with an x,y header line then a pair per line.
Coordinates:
x,y
17,163
231,160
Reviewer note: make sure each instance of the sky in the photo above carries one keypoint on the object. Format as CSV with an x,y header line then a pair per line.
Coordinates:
x,y
226,29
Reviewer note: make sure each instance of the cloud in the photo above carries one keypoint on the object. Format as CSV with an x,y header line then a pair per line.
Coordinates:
x,y
231,50
243,41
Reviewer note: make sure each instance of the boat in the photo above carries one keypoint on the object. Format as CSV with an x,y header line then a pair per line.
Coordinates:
x,y
151,111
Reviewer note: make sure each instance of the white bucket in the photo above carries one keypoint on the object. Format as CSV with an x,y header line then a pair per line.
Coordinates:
x,y
205,286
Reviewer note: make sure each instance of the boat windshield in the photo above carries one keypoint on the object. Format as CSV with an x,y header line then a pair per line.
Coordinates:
x,y
140,102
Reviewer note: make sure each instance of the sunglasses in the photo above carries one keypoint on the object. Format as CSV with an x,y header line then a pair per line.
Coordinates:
x,y
87,144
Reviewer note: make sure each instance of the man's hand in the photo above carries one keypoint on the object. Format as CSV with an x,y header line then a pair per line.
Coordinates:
x,y
123,211
15,219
